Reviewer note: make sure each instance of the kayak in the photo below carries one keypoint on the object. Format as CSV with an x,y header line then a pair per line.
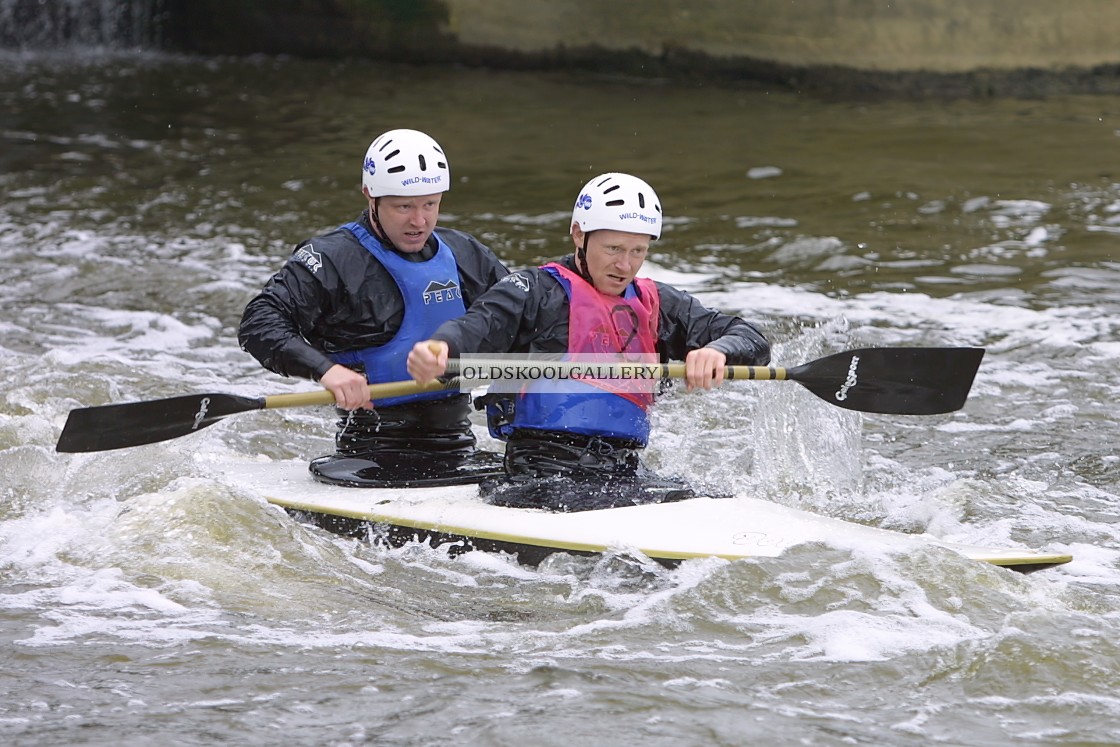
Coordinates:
x,y
458,518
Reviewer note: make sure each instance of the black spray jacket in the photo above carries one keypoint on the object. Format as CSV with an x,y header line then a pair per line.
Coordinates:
x,y
332,296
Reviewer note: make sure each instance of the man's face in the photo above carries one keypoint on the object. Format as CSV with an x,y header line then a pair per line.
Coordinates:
x,y
409,221
613,257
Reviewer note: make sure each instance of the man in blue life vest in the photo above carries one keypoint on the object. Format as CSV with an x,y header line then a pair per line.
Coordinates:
x,y
576,447
348,306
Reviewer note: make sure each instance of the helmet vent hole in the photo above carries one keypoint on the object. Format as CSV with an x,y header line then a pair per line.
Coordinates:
x,y
393,155
641,200
423,163
396,169
610,189
615,203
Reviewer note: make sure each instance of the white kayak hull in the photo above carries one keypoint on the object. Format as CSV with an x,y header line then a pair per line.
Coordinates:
x,y
731,528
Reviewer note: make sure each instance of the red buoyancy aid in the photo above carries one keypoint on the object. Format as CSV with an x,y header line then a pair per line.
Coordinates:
x,y
622,328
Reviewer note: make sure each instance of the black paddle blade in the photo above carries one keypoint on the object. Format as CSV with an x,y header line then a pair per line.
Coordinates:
x,y
135,423
893,381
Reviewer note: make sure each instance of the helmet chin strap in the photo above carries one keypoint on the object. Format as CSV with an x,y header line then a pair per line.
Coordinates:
x,y
379,229
581,260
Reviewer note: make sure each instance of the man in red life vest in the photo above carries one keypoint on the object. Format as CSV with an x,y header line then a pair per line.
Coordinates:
x,y
577,448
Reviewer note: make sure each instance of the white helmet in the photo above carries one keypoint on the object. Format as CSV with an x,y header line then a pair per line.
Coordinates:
x,y
405,163
620,202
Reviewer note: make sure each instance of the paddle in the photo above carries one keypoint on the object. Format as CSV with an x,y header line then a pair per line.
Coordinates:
x,y
136,423
893,381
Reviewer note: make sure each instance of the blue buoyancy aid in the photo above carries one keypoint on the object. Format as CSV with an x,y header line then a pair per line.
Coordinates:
x,y
596,327
432,295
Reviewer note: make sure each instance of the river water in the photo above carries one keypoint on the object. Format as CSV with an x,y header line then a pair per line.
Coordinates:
x,y
146,198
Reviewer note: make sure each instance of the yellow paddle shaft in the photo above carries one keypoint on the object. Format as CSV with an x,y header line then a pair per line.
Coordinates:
x,y
376,392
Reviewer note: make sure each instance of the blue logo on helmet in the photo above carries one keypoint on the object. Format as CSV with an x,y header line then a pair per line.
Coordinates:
x,y
584,201
370,165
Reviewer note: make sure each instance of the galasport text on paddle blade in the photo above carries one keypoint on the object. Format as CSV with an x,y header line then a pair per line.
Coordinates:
x,y
134,423
893,381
